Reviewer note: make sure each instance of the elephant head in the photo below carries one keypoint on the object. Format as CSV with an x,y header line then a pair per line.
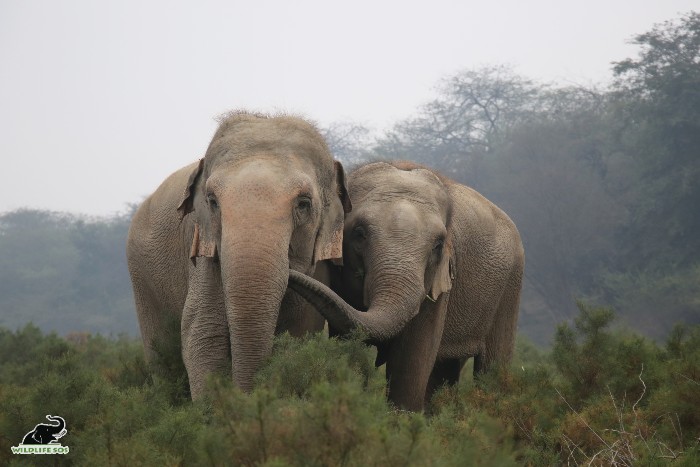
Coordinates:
x,y
397,251
266,198
44,433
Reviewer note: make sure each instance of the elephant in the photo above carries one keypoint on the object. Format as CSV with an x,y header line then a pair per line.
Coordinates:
x,y
45,433
212,246
431,273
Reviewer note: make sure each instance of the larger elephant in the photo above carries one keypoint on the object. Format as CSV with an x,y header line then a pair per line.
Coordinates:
x,y
213,245
432,273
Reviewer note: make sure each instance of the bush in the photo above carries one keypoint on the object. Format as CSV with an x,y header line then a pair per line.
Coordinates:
x,y
317,401
603,397
600,397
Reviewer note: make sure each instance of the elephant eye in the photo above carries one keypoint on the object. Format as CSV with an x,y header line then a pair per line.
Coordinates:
x,y
211,200
439,243
304,203
302,210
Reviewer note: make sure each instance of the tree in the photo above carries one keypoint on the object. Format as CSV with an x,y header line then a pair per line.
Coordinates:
x,y
38,261
65,272
549,176
348,141
455,131
659,107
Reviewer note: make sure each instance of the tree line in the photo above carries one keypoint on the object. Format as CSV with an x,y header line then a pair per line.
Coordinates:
x,y
65,273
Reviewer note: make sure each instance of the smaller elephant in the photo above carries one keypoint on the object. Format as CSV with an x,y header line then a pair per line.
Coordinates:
x,y
44,433
436,269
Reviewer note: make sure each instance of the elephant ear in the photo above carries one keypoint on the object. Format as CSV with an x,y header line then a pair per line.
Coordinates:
x,y
203,243
342,189
186,205
329,241
444,274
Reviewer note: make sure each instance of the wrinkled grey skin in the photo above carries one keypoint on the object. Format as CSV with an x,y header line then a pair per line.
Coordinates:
x,y
45,433
436,270
213,246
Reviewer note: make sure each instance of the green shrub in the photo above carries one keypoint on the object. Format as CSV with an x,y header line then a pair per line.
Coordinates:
x,y
600,396
322,402
317,401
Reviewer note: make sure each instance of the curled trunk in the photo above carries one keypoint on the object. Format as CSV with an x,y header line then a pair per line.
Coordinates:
x,y
61,422
391,306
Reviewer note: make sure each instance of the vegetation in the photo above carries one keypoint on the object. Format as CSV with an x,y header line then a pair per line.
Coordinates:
x,y
602,396
65,273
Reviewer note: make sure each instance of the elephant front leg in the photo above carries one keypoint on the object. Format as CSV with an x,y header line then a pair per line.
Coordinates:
x,y
206,345
411,355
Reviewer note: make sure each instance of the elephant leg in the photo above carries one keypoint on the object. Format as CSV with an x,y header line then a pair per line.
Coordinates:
x,y
151,318
479,365
206,347
500,340
411,355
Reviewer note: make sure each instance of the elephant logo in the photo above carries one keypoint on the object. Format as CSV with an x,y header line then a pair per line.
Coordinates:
x,y
43,439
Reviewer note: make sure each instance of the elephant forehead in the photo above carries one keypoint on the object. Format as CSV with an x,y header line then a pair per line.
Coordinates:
x,y
420,187
265,176
399,216
241,134
405,215
387,175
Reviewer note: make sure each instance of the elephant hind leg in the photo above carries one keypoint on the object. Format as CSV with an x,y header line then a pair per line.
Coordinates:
x,y
500,341
479,365
149,316
160,330
445,371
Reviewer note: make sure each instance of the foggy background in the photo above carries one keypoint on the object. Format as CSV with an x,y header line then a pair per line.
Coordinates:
x,y
100,101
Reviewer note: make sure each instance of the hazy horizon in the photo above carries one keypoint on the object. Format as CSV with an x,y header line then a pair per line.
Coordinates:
x,y
102,101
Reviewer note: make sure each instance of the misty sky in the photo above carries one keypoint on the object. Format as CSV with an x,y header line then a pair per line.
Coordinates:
x,y
100,101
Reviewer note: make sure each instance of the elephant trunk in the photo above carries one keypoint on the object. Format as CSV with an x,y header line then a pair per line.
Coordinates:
x,y
394,300
254,267
61,422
